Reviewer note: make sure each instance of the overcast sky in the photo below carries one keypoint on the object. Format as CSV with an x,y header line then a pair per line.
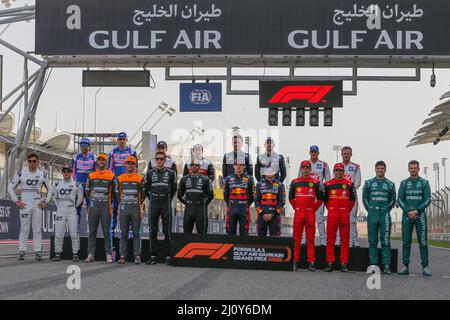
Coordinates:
x,y
377,123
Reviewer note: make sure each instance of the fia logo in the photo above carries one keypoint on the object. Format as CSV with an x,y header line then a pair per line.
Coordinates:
x,y
198,96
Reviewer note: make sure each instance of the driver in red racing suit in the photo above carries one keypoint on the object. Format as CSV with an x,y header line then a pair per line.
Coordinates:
x,y
305,196
339,198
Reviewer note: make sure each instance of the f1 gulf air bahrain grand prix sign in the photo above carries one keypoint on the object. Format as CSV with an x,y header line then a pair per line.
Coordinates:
x,y
300,94
223,251
243,27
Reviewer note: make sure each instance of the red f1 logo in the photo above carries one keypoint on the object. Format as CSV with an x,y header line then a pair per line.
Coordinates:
x,y
313,94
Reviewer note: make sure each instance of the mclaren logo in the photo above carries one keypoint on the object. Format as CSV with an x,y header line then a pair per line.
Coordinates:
x,y
312,94
215,251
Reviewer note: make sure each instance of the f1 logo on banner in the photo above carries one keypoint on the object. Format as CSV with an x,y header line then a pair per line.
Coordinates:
x,y
223,251
212,250
300,94
312,94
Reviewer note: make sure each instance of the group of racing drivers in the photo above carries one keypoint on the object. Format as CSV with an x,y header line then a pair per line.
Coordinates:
x,y
114,191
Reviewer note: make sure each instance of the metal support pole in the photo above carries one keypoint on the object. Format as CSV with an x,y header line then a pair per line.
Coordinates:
x,y
26,87
1,81
19,141
31,125
84,106
17,19
9,95
4,180
19,97
41,63
24,9
95,109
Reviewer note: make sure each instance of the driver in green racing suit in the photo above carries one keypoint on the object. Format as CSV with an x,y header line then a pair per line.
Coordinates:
x,y
379,198
414,196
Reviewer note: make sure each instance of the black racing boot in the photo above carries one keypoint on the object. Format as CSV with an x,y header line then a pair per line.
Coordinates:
x,y
21,255
152,260
329,267
75,258
344,268
38,256
296,266
168,261
57,257
311,267
426,272
386,269
404,271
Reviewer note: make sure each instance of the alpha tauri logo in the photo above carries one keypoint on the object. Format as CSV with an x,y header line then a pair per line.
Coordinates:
x,y
200,96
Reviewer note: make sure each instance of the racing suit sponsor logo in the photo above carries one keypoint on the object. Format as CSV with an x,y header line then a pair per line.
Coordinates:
x,y
85,166
33,182
65,192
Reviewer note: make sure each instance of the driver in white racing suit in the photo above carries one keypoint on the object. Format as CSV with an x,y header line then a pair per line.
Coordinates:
x,y
30,181
68,195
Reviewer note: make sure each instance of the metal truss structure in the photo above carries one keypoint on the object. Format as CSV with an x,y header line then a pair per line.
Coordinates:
x,y
229,77
33,83
32,86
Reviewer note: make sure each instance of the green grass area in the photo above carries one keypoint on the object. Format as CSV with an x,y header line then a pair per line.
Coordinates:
x,y
435,243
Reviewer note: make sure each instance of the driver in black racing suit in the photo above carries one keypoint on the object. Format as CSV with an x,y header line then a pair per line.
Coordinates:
x,y
160,187
195,192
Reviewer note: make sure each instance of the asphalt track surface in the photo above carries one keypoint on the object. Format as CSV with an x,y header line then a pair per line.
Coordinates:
x,y
47,280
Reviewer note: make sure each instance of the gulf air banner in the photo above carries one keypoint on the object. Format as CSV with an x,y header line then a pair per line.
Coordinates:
x,y
300,94
234,252
274,28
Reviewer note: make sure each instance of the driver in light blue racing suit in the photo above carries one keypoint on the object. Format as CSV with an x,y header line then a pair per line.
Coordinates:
x,y
82,165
